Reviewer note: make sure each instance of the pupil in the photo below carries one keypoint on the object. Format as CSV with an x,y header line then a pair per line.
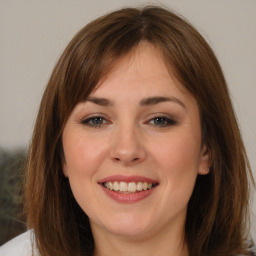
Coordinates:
x,y
97,120
159,120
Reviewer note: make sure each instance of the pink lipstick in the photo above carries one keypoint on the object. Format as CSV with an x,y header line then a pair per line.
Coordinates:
x,y
128,189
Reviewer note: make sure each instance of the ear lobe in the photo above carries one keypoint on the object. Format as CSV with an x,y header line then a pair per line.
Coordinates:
x,y
64,169
204,171
205,161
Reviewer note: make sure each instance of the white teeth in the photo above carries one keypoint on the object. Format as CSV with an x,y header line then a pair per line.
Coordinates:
x,y
139,186
132,187
110,185
116,186
125,187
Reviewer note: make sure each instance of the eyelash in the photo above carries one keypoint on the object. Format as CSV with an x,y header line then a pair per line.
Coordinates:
x,y
100,121
167,121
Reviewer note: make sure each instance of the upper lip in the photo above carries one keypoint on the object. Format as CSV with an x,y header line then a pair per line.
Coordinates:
x,y
133,178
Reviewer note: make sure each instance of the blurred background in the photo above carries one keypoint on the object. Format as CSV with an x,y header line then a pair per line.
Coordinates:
x,y
34,33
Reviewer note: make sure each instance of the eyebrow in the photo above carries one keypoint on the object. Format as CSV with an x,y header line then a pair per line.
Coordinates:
x,y
156,100
100,101
144,102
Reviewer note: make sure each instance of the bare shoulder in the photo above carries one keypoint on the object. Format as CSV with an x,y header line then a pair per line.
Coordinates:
x,y
19,246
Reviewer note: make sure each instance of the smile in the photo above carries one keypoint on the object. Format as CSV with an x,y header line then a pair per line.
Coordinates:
x,y
128,187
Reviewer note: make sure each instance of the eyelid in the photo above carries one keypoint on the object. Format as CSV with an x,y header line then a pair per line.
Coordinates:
x,y
171,121
93,115
86,120
160,114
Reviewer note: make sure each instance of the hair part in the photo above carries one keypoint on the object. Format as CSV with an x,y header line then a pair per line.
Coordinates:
x,y
218,209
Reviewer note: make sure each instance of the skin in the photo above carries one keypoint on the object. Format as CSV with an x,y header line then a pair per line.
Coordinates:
x,y
127,138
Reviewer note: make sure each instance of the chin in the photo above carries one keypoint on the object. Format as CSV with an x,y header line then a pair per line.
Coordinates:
x,y
126,226
129,231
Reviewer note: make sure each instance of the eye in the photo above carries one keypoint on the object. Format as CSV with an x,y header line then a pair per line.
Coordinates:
x,y
95,121
162,121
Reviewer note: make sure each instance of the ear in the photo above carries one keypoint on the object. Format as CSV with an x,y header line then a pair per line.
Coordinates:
x,y
64,164
204,161
64,169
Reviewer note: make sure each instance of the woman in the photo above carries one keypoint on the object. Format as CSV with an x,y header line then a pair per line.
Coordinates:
x,y
136,149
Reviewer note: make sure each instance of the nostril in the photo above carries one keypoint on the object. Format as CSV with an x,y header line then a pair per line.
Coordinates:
x,y
117,159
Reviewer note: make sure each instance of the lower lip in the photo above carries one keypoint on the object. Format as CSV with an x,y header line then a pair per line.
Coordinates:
x,y
128,198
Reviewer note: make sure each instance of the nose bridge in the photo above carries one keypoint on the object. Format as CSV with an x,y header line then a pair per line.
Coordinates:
x,y
127,143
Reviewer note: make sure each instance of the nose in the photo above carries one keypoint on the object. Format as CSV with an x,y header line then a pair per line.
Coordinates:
x,y
127,146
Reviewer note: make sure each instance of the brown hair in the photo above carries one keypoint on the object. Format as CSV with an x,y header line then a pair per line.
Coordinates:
x,y
218,209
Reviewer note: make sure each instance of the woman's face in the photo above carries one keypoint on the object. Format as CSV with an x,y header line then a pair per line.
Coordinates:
x,y
133,149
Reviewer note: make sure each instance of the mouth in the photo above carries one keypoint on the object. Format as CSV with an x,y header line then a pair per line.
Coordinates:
x,y
128,187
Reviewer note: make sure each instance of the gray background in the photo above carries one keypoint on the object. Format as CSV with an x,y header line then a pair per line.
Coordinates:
x,y
33,34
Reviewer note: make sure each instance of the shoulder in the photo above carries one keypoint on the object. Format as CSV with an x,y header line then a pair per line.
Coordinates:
x,y
252,249
19,246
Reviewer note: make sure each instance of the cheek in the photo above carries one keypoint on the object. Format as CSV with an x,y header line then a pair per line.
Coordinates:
x,y
178,162
82,160
82,157
179,151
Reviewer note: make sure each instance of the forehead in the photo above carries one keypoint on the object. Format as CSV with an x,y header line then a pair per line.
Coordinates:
x,y
143,69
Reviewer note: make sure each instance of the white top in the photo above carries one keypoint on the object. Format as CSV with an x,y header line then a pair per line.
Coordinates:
x,y
19,246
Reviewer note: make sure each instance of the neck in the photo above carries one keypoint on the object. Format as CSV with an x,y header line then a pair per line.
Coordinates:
x,y
171,244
